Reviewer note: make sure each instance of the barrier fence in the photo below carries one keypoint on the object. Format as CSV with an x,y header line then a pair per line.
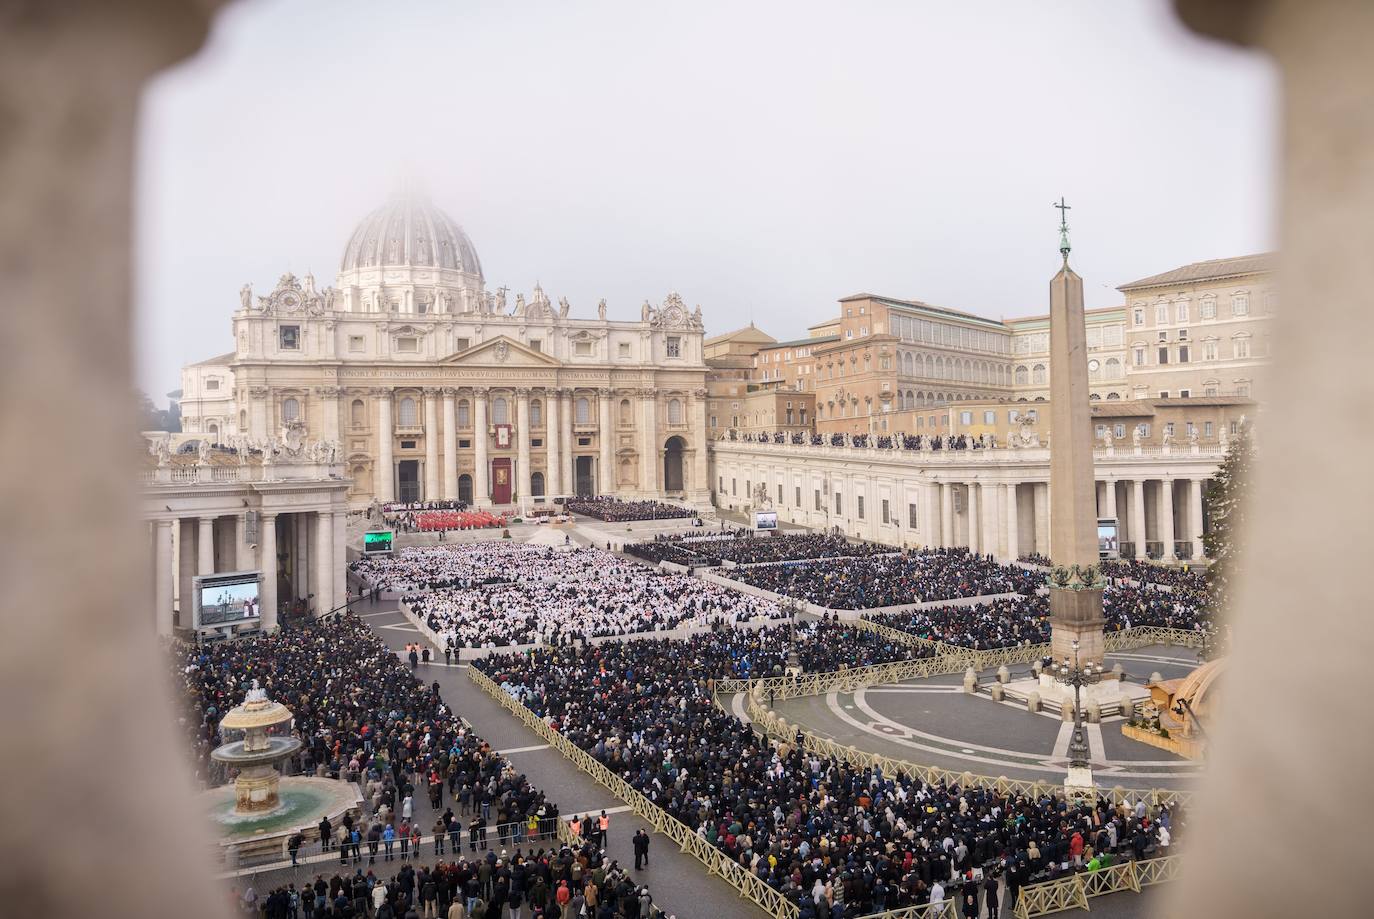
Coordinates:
x,y
1075,891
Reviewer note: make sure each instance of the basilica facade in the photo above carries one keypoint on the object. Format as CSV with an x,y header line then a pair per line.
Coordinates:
x,y
433,387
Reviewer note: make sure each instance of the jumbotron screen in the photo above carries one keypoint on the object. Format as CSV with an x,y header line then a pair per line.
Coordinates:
x,y
765,520
1108,539
376,542
225,598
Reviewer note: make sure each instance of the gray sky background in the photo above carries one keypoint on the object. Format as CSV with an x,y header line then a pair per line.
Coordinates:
x,y
763,159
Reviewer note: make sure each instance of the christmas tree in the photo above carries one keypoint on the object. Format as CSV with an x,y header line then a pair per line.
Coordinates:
x,y
1228,499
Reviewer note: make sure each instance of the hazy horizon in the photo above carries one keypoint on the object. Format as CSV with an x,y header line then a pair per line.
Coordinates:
x,y
762,161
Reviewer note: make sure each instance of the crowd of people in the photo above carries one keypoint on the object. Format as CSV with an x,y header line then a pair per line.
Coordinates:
x,y
615,510
361,716
460,565
577,594
745,548
563,881
890,580
894,441
1025,619
1190,579
834,839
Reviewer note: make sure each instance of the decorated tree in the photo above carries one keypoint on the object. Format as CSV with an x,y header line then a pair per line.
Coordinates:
x,y
1228,498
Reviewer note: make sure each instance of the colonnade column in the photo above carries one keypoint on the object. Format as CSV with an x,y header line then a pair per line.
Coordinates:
x,y
565,457
553,461
162,573
205,546
268,593
324,563
1166,518
1109,506
1138,516
1195,521
450,446
385,473
1013,522
1041,493
972,511
946,514
243,557
605,439
522,445
481,491
186,567
932,514
649,471
338,551
431,444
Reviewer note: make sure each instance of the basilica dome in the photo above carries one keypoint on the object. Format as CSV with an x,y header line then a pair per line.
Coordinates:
x,y
409,231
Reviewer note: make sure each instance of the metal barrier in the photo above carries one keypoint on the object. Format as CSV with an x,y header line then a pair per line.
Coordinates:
x,y
1075,891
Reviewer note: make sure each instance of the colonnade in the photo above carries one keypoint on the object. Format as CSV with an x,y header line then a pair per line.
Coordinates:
x,y
309,546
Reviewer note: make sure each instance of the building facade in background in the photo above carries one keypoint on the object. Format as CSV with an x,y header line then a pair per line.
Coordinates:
x,y
434,387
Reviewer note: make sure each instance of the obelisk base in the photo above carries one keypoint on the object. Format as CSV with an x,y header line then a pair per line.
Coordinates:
x,y
1079,784
1077,614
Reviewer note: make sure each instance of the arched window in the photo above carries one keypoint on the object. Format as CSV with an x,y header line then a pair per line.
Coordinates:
x,y
901,401
536,415
1113,395
1113,369
675,411
290,410
537,484
214,433
583,410
500,410
1022,376
243,421
1038,373
409,416
625,411
357,413
464,413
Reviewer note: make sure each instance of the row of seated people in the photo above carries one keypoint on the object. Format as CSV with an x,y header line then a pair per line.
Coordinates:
x,y
618,511
751,549
429,521
891,580
894,441
417,568
360,713
579,594
1194,579
1025,620
819,831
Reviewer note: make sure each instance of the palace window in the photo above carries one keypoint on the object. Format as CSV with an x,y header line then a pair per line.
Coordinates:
x,y
675,412
1240,305
887,515
1181,311
464,414
911,516
408,413
1162,314
583,409
536,414
1208,309
1240,347
1163,356
1183,354
1207,427
500,410
1120,431
1038,374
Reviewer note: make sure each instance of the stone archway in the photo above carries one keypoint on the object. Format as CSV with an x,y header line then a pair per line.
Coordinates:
x,y
672,464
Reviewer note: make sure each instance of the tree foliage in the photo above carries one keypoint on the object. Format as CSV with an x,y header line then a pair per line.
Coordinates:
x,y
1228,500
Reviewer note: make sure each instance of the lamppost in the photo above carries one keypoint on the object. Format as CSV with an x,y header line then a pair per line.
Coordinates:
x,y
1072,673
794,667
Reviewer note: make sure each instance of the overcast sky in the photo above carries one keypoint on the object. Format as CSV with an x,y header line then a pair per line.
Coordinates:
x,y
763,159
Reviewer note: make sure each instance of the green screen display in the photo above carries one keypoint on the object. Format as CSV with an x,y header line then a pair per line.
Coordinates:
x,y
376,542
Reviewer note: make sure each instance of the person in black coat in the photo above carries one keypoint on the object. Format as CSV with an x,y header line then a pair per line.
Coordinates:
x,y
641,847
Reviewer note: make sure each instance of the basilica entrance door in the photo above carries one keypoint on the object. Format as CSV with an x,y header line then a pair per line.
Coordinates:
x,y
409,473
582,476
500,480
465,488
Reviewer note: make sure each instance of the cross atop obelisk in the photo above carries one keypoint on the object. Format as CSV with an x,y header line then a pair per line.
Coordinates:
x,y
1075,587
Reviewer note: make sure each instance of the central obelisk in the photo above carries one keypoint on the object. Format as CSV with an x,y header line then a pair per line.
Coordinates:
x,y
1075,583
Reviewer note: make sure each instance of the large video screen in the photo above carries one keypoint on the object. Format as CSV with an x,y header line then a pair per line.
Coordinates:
x,y
1108,544
376,542
765,520
225,598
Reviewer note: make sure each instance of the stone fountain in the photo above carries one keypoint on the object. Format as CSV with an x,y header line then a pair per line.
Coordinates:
x,y
262,810
257,789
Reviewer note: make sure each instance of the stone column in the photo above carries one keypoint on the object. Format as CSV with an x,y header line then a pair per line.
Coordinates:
x,y
522,446
553,461
1013,523
450,446
1195,518
431,444
338,550
648,472
1166,518
243,558
946,514
162,592
481,490
323,559
1109,506
605,439
971,489
567,467
1040,494
186,570
1138,517
385,473
205,546
267,548
700,487
932,514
